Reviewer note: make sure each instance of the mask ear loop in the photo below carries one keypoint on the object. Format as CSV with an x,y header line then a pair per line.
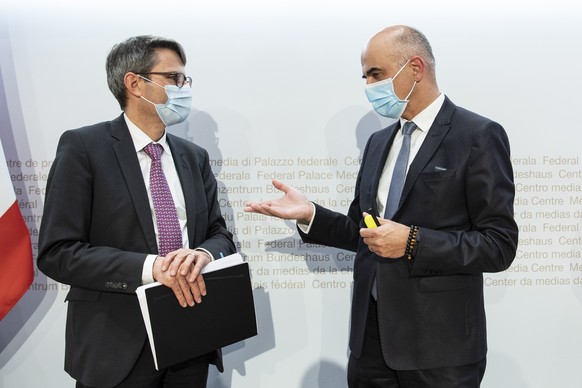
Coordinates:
x,y
149,80
413,85
395,75
155,83
150,101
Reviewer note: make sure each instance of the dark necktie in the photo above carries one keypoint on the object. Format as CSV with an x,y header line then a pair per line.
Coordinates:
x,y
399,173
397,183
169,232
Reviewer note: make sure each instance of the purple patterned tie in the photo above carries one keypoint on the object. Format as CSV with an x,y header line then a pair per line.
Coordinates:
x,y
170,234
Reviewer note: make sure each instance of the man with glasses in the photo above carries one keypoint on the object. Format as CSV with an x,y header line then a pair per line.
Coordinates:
x,y
128,204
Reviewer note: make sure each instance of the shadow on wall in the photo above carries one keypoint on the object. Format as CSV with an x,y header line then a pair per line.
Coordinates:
x,y
325,374
349,123
503,372
202,129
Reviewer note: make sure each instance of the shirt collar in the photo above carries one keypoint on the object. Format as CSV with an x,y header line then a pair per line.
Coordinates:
x,y
140,139
425,118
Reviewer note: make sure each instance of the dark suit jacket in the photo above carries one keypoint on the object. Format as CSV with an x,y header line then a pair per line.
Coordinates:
x,y
459,190
96,232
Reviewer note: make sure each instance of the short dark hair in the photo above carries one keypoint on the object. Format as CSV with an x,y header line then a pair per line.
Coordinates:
x,y
137,54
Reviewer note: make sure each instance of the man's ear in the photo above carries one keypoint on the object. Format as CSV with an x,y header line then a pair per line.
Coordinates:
x,y
132,84
418,66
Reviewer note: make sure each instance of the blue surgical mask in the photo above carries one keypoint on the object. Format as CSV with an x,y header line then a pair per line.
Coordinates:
x,y
178,106
383,98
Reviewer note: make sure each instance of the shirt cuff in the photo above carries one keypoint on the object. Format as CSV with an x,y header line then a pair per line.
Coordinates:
x,y
204,250
305,228
147,273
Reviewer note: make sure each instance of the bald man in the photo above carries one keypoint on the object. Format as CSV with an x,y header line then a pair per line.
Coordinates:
x,y
441,182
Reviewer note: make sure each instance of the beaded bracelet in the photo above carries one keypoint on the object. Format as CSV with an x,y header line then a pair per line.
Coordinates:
x,y
412,235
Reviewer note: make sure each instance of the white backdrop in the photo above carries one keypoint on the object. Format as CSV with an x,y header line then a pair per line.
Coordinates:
x,y
278,93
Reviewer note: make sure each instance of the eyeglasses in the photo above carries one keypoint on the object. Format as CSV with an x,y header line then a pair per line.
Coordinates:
x,y
179,79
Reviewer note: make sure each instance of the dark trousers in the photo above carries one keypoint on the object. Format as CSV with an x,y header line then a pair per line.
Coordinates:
x,y
371,371
189,374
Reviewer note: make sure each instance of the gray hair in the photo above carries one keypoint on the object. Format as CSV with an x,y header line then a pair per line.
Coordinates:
x,y
413,42
138,55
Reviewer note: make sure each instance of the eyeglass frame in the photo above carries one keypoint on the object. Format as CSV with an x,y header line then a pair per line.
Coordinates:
x,y
172,74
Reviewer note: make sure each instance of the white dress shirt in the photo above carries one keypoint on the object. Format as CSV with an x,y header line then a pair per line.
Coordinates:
x,y
423,122
140,140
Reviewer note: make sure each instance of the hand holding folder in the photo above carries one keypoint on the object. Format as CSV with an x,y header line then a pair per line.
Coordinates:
x,y
225,316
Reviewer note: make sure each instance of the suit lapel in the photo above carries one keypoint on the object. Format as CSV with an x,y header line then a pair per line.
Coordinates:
x,y
437,133
129,165
187,181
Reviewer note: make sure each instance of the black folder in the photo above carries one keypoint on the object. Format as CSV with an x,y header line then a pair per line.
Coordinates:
x,y
225,316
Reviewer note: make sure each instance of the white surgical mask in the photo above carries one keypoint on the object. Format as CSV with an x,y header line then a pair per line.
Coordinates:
x,y
383,98
178,106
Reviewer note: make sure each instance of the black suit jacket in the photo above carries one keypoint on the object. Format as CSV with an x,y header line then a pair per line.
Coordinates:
x,y
459,190
96,232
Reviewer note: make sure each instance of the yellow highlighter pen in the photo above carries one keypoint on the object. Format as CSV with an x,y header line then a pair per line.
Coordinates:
x,y
370,220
